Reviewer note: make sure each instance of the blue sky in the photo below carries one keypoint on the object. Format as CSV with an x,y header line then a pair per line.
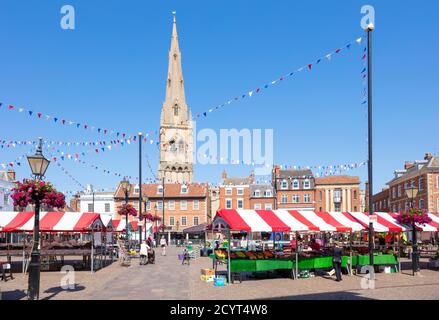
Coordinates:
x,y
111,71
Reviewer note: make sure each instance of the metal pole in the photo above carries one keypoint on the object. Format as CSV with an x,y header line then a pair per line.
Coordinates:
x,y
34,266
126,219
140,186
415,256
93,194
370,162
163,206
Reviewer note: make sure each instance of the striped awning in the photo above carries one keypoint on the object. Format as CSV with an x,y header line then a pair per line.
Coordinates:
x,y
50,221
287,220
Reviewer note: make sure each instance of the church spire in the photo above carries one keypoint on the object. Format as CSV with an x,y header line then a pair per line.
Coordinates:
x,y
175,110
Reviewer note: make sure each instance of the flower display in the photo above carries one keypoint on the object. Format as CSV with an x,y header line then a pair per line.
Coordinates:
x,y
150,217
32,191
127,209
415,215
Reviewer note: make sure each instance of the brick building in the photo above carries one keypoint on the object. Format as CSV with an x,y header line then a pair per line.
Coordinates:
x,y
234,192
337,193
294,189
381,201
422,174
262,197
185,205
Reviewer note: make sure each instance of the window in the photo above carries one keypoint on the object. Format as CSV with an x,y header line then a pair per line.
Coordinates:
x,y
421,204
321,196
393,192
257,206
307,198
399,208
159,205
240,191
136,189
160,189
195,220
240,204
296,198
183,221
171,205
268,193
355,194
284,198
90,207
196,205
268,206
437,184
306,184
284,185
107,207
421,184
399,191
176,110
337,207
183,189
148,205
5,198
385,203
228,203
295,184
171,221
355,208
183,205
228,191
257,193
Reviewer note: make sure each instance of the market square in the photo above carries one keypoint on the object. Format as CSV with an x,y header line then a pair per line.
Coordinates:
x,y
134,180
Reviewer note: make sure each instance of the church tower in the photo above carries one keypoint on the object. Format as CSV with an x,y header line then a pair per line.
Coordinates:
x,y
176,132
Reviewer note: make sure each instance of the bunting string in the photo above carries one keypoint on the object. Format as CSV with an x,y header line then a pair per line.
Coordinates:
x,y
258,90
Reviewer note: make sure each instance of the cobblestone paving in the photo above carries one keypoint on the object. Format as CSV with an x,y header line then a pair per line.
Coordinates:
x,y
168,279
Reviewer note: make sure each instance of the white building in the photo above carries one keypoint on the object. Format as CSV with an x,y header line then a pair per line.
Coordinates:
x,y
103,202
7,179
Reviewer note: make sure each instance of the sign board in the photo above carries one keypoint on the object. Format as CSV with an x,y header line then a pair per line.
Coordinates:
x,y
373,218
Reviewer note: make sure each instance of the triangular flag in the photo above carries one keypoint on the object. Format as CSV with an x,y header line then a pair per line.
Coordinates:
x,y
310,66
358,40
30,113
250,93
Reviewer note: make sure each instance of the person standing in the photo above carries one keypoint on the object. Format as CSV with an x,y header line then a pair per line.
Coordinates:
x,y
163,245
336,260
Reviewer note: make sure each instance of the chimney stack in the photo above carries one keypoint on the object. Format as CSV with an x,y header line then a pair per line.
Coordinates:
x,y
408,165
428,156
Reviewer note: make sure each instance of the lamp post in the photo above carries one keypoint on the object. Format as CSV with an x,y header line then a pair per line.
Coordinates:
x,y
145,201
140,186
369,30
93,197
38,164
126,187
411,193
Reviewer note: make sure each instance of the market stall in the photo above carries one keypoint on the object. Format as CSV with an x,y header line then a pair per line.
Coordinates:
x,y
64,234
322,226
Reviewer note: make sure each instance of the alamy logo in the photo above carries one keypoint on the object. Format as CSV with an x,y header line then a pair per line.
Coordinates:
x,y
367,281
68,281
68,20
369,16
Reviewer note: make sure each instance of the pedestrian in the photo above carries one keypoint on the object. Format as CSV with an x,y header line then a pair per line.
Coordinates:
x,y
163,245
336,260
144,247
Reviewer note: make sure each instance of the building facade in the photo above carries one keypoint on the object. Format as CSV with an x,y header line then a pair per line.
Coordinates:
x,y
294,189
176,132
7,183
262,197
182,205
99,202
381,201
234,192
337,193
422,174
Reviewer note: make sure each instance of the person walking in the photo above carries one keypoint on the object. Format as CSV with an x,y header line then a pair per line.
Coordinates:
x,y
144,247
336,260
163,245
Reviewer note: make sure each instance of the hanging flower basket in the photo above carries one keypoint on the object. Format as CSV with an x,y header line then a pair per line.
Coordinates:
x,y
127,209
414,216
32,191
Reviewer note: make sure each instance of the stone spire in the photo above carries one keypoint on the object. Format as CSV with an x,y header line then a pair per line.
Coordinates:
x,y
175,109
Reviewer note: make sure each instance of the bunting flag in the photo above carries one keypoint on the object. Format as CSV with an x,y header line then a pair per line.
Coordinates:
x,y
64,122
258,90
17,162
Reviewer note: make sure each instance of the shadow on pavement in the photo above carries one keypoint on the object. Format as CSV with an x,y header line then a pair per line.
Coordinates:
x,y
55,290
13,295
340,295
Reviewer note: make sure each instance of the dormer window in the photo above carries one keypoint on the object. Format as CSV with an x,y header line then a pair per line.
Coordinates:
x,y
160,189
257,193
295,184
184,189
306,184
136,189
268,193
284,184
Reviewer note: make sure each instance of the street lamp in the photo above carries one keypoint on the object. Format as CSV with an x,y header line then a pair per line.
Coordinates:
x,y
411,193
38,164
126,187
145,201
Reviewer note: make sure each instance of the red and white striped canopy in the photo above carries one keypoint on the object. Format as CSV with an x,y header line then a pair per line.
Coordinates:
x,y
288,220
119,225
50,221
